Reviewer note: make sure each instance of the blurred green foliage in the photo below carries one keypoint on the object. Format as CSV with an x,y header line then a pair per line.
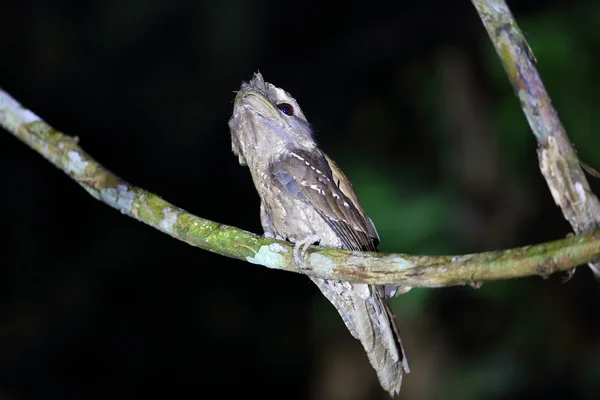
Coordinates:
x,y
418,218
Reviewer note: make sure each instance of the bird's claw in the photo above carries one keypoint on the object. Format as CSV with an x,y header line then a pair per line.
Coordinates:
x,y
570,274
300,247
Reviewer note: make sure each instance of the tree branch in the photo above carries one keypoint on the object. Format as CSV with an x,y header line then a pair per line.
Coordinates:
x,y
559,163
377,268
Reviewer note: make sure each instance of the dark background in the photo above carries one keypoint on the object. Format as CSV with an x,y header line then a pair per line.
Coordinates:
x,y
408,98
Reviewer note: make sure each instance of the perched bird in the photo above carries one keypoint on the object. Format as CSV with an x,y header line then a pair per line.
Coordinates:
x,y
305,198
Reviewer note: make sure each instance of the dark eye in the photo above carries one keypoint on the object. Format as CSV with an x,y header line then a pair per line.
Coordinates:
x,y
286,108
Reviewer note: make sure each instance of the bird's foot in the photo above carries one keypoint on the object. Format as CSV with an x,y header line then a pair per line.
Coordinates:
x,y
300,247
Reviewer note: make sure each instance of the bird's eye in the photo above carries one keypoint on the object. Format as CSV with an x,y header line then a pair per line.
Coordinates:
x,y
286,108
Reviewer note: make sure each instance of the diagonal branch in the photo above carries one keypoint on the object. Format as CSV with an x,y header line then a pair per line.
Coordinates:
x,y
558,161
378,268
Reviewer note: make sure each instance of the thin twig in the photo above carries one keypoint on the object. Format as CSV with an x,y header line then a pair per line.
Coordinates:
x,y
558,161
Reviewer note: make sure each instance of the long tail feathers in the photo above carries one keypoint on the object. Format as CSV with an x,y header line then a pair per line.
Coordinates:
x,y
365,310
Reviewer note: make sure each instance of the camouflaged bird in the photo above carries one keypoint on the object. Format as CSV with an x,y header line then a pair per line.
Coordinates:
x,y
306,199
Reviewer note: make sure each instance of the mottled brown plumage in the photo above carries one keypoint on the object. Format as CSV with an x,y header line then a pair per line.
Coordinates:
x,y
306,198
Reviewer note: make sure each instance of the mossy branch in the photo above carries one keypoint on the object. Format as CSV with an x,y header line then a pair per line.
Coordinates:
x,y
378,268
558,161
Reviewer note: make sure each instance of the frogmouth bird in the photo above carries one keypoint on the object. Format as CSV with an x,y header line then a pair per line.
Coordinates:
x,y
305,198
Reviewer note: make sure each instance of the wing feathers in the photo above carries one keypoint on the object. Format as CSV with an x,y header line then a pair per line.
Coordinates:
x,y
314,179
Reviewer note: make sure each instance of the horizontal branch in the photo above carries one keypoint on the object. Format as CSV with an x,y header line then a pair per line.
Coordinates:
x,y
377,268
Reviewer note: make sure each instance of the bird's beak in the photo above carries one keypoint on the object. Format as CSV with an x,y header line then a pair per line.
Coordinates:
x,y
256,101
